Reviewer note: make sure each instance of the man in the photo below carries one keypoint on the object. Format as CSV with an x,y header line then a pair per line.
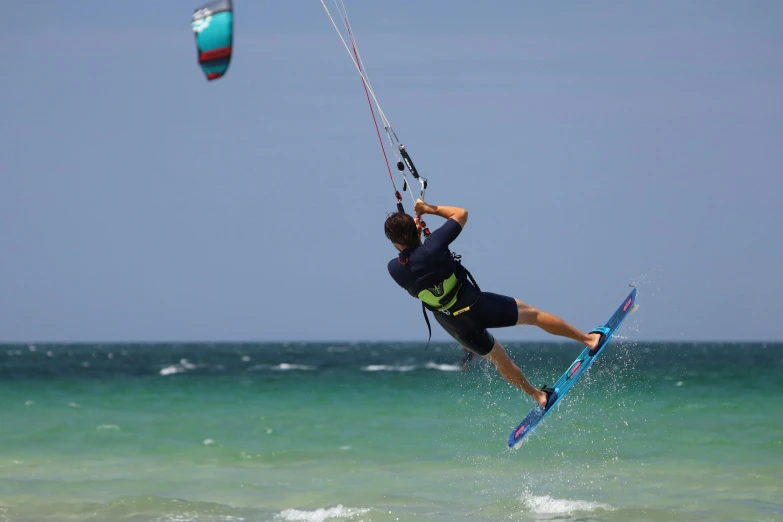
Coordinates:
x,y
429,271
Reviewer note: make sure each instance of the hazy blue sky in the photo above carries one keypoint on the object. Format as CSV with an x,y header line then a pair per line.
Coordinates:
x,y
594,143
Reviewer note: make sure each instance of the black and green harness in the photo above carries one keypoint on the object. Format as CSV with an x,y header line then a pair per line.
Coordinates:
x,y
442,297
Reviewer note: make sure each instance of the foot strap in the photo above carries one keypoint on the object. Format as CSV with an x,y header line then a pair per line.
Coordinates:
x,y
604,331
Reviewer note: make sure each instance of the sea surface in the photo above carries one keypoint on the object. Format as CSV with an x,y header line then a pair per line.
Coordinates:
x,y
385,432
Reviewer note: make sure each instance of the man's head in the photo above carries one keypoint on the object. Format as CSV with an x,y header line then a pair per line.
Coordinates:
x,y
401,230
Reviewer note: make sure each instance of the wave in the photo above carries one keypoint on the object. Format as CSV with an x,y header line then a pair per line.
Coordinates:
x,y
443,367
411,367
183,366
388,368
284,367
320,514
546,505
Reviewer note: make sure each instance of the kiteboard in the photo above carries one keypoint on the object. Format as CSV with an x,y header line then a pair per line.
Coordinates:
x,y
574,372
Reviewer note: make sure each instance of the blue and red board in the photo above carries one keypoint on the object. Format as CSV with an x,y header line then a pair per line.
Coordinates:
x,y
573,373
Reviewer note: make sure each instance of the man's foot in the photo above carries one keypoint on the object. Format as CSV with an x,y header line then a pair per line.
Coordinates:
x,y
593,340
540,397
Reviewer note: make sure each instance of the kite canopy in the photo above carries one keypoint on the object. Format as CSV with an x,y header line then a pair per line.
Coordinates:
x,y
213,26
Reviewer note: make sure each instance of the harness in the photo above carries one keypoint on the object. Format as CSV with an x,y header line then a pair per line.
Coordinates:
x,y
449,298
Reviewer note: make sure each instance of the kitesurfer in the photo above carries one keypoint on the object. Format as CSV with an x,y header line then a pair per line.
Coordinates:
x,y
431,273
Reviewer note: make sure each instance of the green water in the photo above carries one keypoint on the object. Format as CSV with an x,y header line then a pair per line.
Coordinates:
x,y
378,432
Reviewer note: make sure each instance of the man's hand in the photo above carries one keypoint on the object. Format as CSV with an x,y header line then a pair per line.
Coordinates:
x,y
460,215
421,208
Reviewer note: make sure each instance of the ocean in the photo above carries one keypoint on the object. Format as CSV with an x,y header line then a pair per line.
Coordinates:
x,y
381,432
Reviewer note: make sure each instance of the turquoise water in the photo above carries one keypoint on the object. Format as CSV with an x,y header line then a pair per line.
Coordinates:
x,y
384,432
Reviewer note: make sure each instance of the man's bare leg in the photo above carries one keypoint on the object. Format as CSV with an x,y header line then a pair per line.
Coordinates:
x,y
513,374
553,325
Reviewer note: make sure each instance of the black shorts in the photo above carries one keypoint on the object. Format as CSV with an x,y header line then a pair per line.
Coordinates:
x,y
487,310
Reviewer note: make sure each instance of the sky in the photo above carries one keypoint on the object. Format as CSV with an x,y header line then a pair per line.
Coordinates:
x,y
595,145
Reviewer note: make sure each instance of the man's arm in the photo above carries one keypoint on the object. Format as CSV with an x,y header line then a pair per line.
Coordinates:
x,y
460,215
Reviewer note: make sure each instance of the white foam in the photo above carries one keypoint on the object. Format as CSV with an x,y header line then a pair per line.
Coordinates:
x,y
286,366
444,367
320,514
183,366
387,368
193,517
281,367
546,505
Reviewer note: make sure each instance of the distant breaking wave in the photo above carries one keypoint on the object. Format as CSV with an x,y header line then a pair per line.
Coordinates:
x,y
410,368
387,368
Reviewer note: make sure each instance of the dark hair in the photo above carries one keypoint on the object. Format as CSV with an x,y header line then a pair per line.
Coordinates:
x,y
400,228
